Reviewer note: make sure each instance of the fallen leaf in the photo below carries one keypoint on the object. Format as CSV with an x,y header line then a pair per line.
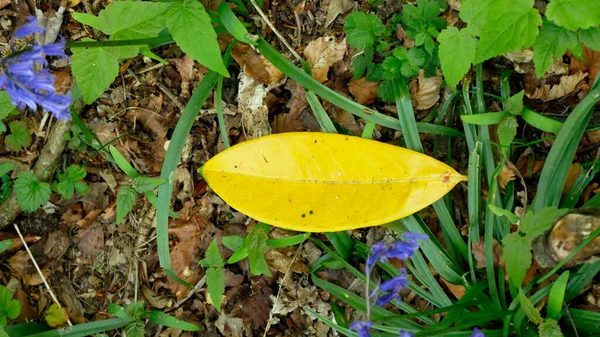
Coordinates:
x,y
285,122
57,244
347,120
56,316
574,172
522,60
364,91
62,81
252,105
505,176
591,65
568,85
151,121
255,65
335,8
185,66
298,101
184,260
457,290
427,93
256,310
91,240
322,53
23,268
479,253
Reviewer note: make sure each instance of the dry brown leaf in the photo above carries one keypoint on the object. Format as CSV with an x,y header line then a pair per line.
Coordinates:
x,y
479,253
152,122
23,267
527,169
185,66
522,60
322,53
255,65
505,176
286,122
427,92
591,65
457,290
574,172
57,244
62,81
253,106
91,240
364,91
347,120
184,260
335,8
298,101
567,85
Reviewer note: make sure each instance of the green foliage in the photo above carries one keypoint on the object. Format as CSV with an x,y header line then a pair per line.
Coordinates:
x,y
556,296
5,244
56,316
516,247
574,14
457,50
125,200
146,184
422,23
31,193
550,328
215,276
507,130
403,63
95,69
9,308
553,42
6,108
513,25
70,181
363,30
75,139
532,312
475,13
190,26
5,181
19,136
257,247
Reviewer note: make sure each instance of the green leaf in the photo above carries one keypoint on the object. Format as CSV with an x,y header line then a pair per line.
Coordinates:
x,y
385,91
475,14
233,242
69,181
6,108
7,167
557,295
513,25
215,281
514,103
550,328
536,224
5,244
457,52
516,252
136,310
257,247
590,37
31,193
135,329
146,184
19,136
9,308
126,198
170,321
507,130
487,118
574,14
213,257
190,26
532,313
56,316
94,69
87,19
553,42
363,29
503,212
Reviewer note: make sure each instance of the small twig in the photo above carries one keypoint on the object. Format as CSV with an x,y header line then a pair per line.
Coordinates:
x,y
270,24
40,271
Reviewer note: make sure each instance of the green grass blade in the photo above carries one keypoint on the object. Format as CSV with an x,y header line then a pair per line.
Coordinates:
x,y
539,121
86,329
288,241
219,106
474,203
161,318
320,113
581,279
368,131
233,25
556,168
488,118
556,296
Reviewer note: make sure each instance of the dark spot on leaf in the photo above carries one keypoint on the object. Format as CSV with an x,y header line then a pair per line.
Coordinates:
x,y
303,215
310,212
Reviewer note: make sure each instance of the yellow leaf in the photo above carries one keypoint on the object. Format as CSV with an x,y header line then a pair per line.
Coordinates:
x,y
322,182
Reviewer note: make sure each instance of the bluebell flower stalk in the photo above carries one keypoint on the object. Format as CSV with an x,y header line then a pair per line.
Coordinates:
x,y
25,75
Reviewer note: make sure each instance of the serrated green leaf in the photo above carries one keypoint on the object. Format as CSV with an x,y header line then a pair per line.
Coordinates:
x,y
6,108
135,329
5,244
362,29
532,313
475,14
457,52
68,181
136,310
257,247
513,25
56,316
553,42
31,193
126,198
9,308
574,14
213,257
385,91
190,26
550,328
507,130
536,224
514,103
146,184
215,281
516,252
590,37
19,136
94,69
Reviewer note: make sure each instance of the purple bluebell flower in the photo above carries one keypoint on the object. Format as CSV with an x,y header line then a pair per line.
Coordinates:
x,y
401,250
26,78
361,328
406,334
415,236
393,287
477,333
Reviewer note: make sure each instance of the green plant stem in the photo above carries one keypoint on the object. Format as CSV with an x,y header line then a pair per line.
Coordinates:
x,y
158,40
